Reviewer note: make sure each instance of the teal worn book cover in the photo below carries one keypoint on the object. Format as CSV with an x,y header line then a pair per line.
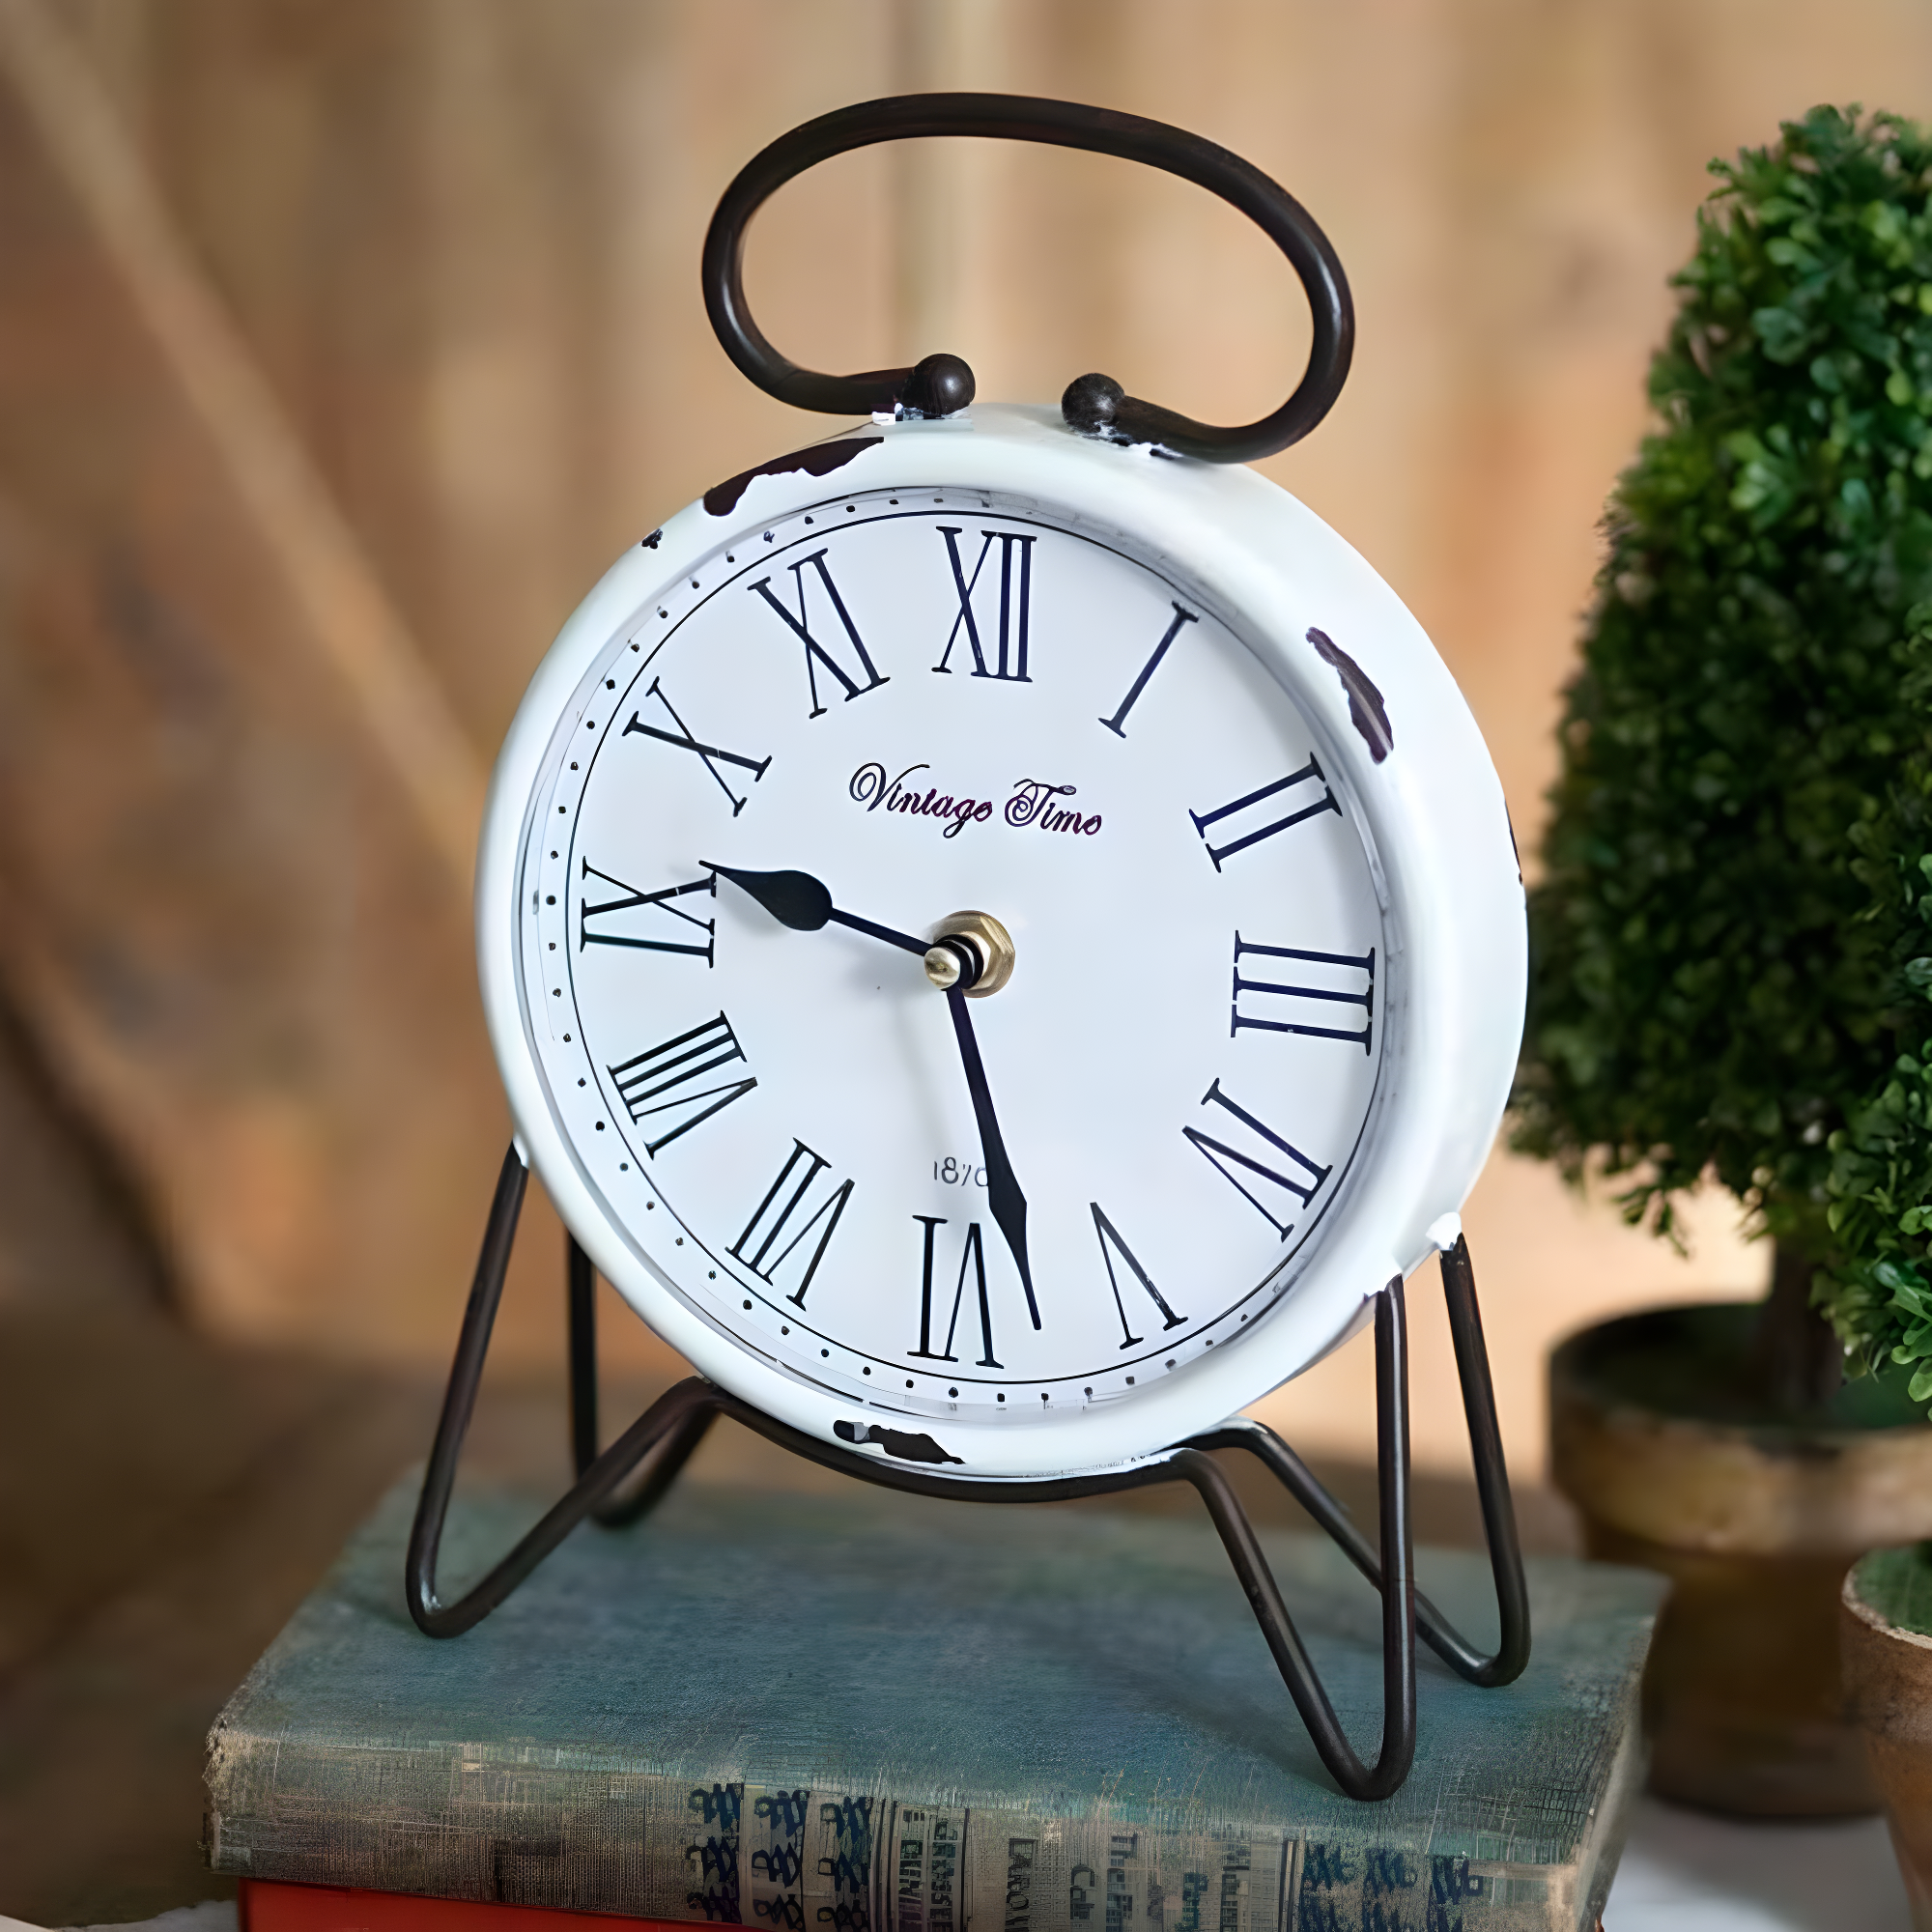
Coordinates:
x,y
871,1713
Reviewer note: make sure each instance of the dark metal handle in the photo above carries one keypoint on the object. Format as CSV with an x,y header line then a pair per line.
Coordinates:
x,y
942,383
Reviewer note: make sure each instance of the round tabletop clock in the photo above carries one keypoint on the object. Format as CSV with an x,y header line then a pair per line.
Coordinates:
x,y
1001,935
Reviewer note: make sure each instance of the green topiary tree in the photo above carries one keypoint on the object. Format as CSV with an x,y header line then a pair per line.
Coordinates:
x,y
1710,990
1878,1290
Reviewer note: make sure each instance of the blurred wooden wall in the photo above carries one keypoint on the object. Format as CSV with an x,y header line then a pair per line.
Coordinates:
x,y
343,345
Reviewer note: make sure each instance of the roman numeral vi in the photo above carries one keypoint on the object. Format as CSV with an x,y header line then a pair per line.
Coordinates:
x,y
972,1254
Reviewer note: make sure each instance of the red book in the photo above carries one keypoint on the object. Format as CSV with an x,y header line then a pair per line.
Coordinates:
x,y
268,1907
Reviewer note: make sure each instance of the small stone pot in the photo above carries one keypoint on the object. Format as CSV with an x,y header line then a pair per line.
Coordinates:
x,y
1755,1519
1886,1629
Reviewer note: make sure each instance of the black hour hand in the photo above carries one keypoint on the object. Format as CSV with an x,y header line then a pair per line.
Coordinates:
x,y
793,898
801,902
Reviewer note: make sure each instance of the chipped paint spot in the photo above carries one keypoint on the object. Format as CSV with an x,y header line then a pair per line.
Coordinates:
x,y
651,541
1366,712
820,460
908,1448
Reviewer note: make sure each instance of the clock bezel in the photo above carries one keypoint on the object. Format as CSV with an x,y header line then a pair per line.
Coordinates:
x,y
1437,830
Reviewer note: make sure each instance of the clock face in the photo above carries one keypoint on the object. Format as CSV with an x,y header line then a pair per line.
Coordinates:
x,y
933,701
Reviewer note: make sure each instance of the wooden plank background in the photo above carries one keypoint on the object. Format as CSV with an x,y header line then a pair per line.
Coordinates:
x,y
343,345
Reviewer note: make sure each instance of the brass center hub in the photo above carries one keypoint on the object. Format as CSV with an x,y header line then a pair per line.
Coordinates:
x,y
990,943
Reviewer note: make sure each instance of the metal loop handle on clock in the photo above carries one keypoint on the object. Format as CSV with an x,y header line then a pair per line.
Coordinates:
x,y
940,384
662,1440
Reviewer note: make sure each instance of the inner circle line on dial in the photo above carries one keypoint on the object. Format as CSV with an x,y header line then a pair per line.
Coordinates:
x,y
979,504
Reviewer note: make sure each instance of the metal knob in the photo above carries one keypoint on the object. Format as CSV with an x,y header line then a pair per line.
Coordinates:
x,y
989,943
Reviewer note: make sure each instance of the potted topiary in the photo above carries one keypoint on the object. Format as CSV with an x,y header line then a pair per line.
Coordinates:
x,y
1886,1627
1716,991
1879,1296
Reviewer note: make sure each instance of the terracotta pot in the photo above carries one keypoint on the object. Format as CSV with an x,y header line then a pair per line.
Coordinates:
x,y
1885,1617
1755,1519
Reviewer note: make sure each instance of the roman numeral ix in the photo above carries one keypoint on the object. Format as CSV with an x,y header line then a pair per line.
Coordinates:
x,y
1310,773
1105,1232
1219,1153
770,1220
1015,602
712,755
815,651
1322,998
972,1254
649,1083
662,901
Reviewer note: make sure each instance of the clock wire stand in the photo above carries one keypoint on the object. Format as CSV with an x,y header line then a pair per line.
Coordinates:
x,y
656,1447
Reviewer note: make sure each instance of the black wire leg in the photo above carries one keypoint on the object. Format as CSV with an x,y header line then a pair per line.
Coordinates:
x,y
696,1401
674,1425
1493,1492
1492,1485
1398,1587
580,1275
671,1428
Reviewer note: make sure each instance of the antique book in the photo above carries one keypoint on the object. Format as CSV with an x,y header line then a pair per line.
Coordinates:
x,y
870,1713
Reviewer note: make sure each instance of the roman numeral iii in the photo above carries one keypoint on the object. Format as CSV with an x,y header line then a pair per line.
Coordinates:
x,y
653,1082
1016,599
1219,1154
1105,1232
772,1216
1309,773
713,755
973,1255
816,652
661,901
1351,979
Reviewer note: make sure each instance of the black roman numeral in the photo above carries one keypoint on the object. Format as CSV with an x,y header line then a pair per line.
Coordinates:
x,y
645,1081
1015,602
813,648
1350,963
1117,724
1310,772
973,1254
1219,1153
1105,1232
712,755
802,1168
633,898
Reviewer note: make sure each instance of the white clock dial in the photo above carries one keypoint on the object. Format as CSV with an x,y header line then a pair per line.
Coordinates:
x,y
935,701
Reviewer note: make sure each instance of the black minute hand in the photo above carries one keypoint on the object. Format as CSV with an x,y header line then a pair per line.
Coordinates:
x,y
1002,1191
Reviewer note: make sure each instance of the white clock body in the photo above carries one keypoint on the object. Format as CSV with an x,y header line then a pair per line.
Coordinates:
x,y
1203,765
